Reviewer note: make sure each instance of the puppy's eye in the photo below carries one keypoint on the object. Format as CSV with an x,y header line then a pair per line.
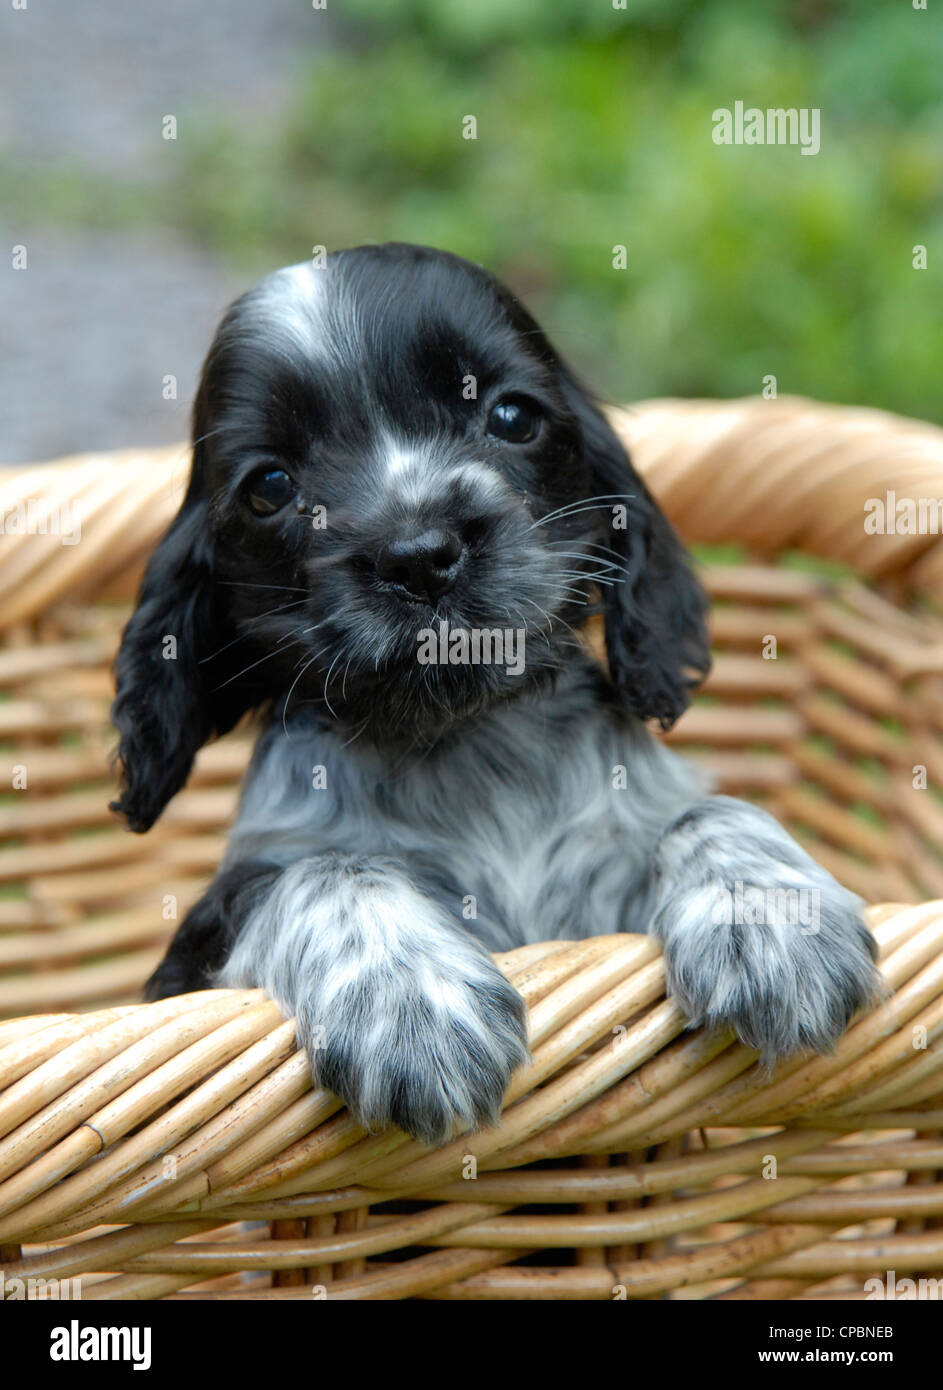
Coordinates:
x,y
514,420
268,491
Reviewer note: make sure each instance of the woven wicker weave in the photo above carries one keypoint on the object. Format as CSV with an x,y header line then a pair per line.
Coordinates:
x,y
141,1144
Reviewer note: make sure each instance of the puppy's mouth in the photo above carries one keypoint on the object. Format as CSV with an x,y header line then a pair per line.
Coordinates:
x,y
421,603
437,620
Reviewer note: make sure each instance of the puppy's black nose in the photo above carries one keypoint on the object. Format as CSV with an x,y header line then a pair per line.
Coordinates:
x,y
425,566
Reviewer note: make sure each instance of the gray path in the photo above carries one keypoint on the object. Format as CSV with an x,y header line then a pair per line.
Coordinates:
x,y
90,330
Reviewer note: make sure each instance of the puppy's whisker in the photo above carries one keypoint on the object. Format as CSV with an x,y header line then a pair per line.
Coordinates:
x,y
618,563
580,603
327,682
596,545
267,657
585,504
576,511
540,610
576,588
336,613
576,595
590,559
608,575
209,435
591,576
588,579
243,635
425,679
316,655
550,620
291,690
354,737
248,584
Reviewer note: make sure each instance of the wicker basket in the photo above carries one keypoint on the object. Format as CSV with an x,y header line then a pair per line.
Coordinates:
x,y
178,1149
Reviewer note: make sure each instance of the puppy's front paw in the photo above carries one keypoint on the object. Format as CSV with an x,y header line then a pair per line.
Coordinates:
x,y
429,1053
787,967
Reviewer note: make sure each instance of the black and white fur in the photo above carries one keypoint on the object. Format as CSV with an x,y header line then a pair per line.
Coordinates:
x,y
399,821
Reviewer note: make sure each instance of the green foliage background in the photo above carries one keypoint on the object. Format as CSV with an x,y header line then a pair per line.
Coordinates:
x,y
594,128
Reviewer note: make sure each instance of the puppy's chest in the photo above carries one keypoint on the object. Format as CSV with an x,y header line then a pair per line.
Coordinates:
x,y
517,852
506,796
522,833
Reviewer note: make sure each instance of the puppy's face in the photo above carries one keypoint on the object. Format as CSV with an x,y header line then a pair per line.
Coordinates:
x,y
384,448
384,440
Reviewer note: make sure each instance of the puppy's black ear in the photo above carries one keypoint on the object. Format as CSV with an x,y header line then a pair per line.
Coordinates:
x,y
656,621
168,699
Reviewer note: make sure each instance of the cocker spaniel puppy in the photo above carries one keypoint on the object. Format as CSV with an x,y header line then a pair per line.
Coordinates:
x,y
402,508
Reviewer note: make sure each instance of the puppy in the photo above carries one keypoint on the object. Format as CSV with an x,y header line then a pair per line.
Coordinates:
x,y
396,481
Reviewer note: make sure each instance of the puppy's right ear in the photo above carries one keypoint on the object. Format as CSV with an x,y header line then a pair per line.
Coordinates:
x,y
168,699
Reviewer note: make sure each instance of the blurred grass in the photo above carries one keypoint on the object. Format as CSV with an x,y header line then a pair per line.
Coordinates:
x,y
594,129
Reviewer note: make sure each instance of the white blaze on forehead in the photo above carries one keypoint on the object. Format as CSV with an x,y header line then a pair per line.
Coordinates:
x,y
296,302
306,304
397,460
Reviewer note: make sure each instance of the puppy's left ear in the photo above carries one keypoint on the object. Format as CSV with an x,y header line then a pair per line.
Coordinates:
x,y
656,621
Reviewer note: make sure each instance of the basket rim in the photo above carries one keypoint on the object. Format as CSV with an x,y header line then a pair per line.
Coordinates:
x,y
772,475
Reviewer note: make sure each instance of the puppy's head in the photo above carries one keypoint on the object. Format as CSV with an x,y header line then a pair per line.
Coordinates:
x,y
388,448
